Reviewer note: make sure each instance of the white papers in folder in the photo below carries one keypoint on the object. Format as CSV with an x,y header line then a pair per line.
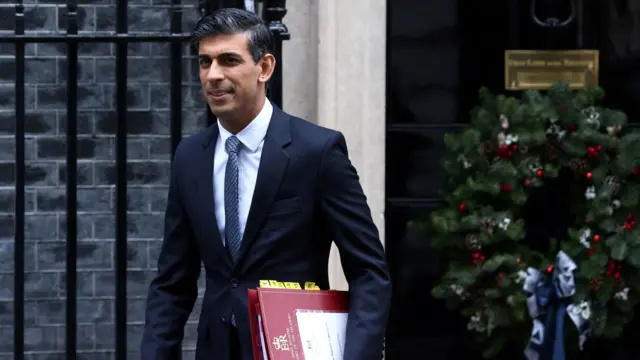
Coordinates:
x,y
322,334
264,346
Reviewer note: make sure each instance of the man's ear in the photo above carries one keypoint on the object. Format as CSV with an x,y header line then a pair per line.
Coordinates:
x,y
267,65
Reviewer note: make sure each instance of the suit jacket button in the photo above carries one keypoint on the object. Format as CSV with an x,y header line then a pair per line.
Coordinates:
x,y
234,283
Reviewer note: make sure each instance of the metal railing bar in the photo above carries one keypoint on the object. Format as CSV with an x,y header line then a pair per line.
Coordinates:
x,y
72,183
18,287
176,77
114,38
121,183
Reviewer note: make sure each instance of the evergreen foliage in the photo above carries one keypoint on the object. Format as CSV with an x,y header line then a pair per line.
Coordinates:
x,y
512,147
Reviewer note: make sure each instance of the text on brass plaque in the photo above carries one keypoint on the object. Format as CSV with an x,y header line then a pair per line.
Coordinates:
x,y
540,69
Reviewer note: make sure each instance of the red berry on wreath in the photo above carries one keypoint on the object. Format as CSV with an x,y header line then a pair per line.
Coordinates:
x,y
589,175
636,171
462,207
596,238
527,182
540,173
550,269
504,152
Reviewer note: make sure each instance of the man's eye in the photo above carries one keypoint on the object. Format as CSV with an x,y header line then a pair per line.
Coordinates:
x,y
204,62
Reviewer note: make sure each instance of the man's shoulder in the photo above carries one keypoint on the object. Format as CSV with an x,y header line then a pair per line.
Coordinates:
x,y
310,133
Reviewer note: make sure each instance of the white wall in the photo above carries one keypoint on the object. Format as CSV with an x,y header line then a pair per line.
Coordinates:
x,y
334,75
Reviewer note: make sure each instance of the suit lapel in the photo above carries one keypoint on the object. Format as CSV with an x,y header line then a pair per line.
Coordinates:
x,y
205,186
273,164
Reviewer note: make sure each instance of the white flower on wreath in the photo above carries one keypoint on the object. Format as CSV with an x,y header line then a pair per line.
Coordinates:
x,y
476,322
465,163
504,121
504,224
622,294
534,167
457,289
584,238
507,139
583,310
590,193
521,276
502,139
557,131
613,129
510,300
511,139
616,204
592,116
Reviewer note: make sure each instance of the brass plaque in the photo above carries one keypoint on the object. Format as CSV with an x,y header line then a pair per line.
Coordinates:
x,y
540,69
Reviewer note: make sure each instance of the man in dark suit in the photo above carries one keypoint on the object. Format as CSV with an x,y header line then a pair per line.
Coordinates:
x,y
259,195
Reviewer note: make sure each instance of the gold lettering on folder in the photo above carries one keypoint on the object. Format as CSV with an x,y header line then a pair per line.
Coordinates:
x,y
540,69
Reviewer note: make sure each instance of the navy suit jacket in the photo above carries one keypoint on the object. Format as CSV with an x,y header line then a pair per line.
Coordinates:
x,y
307,195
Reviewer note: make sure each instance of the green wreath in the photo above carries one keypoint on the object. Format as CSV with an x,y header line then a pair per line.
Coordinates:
x,y
512,147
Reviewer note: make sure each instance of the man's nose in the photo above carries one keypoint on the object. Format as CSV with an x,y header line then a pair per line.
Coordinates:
x,y
215,72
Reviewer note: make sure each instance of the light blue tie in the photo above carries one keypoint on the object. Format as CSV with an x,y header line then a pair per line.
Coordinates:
x,y
232,234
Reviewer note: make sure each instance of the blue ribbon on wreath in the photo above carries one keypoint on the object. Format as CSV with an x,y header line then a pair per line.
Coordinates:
x,y
549,301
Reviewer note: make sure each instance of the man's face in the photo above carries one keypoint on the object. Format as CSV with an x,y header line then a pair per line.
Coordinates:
x,y
232,83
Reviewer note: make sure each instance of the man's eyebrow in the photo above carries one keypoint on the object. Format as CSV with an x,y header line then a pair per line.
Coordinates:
x,y
225,54
230,54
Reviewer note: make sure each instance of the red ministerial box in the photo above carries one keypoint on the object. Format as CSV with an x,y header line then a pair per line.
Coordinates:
x,y
287,324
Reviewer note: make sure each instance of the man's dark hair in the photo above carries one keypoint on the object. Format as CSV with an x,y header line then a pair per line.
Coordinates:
x,y
229,21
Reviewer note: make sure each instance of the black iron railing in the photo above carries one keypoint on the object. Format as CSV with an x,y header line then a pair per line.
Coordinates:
x,y
274,11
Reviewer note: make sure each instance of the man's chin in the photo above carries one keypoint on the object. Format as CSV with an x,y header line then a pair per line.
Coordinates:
x,y
221,109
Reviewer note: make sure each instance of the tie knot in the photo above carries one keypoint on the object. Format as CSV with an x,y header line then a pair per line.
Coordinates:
x,y
233,145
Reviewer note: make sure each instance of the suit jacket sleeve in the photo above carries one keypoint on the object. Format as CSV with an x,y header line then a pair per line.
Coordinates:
x,y
345,209
174,290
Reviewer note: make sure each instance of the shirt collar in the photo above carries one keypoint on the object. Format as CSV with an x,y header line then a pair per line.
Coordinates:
x,y
253,134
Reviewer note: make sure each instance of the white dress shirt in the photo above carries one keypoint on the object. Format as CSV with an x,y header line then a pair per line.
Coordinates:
x,y
252,139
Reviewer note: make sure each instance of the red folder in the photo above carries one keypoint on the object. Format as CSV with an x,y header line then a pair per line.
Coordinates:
x,y
287,323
